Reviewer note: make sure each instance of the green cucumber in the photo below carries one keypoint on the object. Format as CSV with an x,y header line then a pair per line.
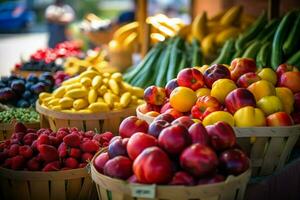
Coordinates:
x,y
271,27
145,79
252,50
197,58
128,76
252,32
226,54
281,33
174,60
293,39
183,63
161,76
294,60
264,55
143,74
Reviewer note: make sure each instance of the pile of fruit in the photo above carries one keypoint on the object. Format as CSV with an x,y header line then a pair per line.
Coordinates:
x,y
214,32
20,92
237,94
174,152
45,150
92,91
19,115
269,43
94,58
162,27
164,61
49,59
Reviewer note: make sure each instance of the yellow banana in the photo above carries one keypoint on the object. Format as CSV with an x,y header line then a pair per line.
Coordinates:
x,y
156,37
124,31
231,16
199,26
162,29
130,42
226,34
208,44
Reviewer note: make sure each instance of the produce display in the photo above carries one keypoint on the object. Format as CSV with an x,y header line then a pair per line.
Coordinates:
x,y
269,43
45,150
174,152
94,58
164,61
162,27
19,115
92,91
50,59
240,94
20,92
194,45
214,32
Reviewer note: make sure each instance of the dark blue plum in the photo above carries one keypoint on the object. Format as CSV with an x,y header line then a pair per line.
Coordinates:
x,y
32,78
38,88
23,103
7,94
27,95
18,86
28,85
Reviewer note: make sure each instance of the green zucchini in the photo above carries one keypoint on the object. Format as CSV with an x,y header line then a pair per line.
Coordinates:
x,y
226,54
271,27
264,55
281,33
174,59
252,32
161,75
294,60
252,50
197,58
293,39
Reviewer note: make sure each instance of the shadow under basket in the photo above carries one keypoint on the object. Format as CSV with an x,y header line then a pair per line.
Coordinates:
x,y
268,147
100,122
115,189
73,184
7,129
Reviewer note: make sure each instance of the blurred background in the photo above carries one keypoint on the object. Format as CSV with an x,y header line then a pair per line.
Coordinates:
x,y
23,26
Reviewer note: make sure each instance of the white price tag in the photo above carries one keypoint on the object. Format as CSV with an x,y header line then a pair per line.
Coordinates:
x,y
143,191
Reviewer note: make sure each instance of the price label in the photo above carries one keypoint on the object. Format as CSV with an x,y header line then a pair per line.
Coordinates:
x,y
143,191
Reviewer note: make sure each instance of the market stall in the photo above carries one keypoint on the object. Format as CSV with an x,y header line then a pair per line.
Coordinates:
x,y
211,110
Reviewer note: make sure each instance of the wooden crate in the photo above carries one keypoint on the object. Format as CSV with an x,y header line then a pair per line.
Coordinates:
x,y
268,147
140,115
115,189
104,121
6,129
60,185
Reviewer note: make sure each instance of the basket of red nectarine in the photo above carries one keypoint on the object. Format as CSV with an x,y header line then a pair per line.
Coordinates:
x,y
262,105
171,162
42,164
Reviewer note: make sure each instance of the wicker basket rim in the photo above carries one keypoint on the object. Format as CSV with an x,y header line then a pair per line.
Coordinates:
x,y
230,178
80,116
42,176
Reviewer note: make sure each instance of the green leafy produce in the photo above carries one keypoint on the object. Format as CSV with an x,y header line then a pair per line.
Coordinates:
x,y
19,114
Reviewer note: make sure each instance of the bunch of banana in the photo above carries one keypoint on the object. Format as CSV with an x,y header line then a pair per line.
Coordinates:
x,y
214,32
93,91
94,58
162,27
